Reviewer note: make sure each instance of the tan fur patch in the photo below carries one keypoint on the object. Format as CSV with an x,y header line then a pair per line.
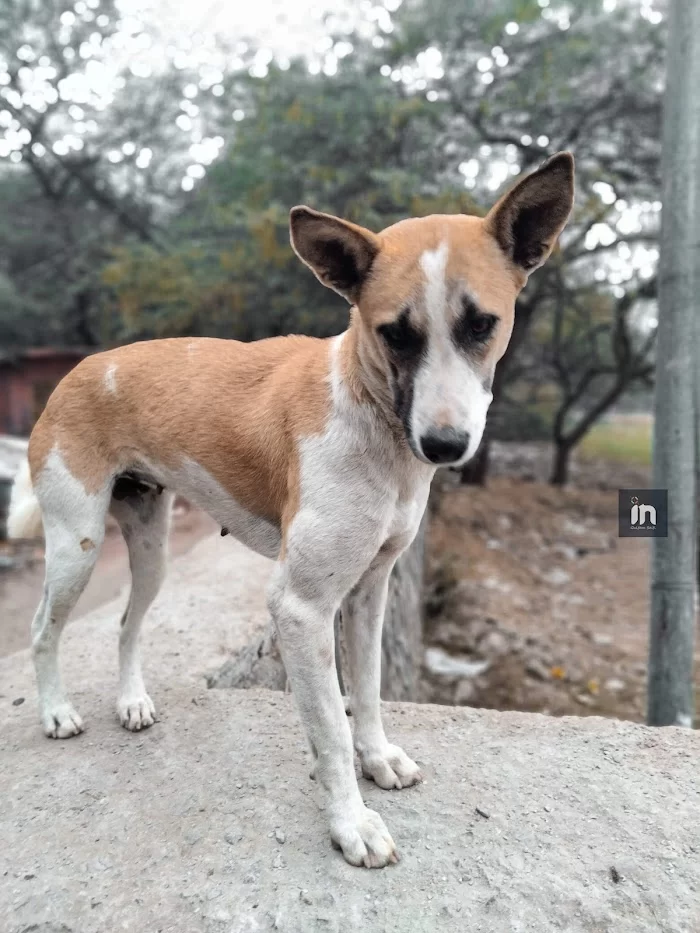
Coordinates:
x,y
236,409
87,544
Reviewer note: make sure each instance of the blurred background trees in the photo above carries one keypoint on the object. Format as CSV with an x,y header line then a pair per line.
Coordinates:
x,y
146,177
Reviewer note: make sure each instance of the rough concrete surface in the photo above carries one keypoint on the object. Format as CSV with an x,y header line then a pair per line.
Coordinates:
x,y
208,822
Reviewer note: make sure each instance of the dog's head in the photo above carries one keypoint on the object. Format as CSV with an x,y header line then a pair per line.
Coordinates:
x,y
436,297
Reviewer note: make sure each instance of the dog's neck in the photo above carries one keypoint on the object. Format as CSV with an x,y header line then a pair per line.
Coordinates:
x,y
364,373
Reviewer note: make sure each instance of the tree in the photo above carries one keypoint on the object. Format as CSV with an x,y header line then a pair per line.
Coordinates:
x,y
591,382
584,351
351,143
92,154
672,623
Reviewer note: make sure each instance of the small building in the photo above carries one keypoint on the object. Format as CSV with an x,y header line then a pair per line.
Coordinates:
x,y
27,378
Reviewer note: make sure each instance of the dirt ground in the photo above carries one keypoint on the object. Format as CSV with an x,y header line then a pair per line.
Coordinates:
x,y
21,585
534,582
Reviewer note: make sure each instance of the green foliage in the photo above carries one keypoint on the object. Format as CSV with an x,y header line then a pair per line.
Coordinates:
x,y
352,144
50,261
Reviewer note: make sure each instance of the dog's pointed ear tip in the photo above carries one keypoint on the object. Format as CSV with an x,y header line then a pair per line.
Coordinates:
x,y
560,162
301,210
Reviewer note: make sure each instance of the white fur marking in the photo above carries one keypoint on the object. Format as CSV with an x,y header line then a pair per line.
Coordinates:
x,y
146,534
354,469
434,265
198,486
110,378
74,530
447,390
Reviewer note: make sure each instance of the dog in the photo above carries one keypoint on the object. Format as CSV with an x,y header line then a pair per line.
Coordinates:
x,y
318,453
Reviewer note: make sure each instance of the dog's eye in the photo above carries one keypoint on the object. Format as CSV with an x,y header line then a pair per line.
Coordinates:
x,y
474,326
482,324
401,337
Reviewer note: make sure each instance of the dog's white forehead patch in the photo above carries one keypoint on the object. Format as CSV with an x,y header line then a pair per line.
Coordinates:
x,y
433,262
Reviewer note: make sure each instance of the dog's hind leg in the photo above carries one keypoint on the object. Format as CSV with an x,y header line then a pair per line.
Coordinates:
x,y
73,522
144,518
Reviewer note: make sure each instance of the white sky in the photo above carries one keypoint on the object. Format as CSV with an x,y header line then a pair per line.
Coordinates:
x,y
289,27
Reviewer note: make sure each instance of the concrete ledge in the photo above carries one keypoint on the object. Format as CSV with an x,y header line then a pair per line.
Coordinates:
x,y
173,829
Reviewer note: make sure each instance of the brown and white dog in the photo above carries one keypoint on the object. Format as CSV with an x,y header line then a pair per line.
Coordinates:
x,y
317,453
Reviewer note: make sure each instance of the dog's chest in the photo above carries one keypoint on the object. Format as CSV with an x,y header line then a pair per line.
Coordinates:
x,y
403,525
355,477
406,514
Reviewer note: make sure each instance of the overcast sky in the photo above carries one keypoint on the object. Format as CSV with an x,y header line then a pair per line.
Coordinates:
x,y
288,26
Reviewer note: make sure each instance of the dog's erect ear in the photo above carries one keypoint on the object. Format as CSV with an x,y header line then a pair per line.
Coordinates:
x,y
338,252
528,219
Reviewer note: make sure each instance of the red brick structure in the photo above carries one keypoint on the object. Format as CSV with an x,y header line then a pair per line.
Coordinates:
x,y
27,378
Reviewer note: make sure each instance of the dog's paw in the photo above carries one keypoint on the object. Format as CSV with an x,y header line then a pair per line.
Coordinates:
x,y
136,712
364,840
61,721
390,768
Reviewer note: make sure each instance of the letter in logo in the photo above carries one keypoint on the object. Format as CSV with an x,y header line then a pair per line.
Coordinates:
x,y
647,510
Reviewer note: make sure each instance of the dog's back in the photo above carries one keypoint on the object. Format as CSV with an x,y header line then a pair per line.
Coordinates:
x,y
222,404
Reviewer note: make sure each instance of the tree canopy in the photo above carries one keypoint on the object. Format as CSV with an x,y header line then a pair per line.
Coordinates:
x,y
146,192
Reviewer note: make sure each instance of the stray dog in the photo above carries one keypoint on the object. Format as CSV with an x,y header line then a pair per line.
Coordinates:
x,y
317,453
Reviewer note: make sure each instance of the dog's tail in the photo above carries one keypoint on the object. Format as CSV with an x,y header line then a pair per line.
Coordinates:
x,y
24,519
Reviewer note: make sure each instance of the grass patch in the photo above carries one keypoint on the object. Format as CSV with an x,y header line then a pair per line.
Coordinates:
x,y
621,440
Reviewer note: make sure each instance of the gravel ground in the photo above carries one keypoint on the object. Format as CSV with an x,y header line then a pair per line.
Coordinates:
x,y
208,822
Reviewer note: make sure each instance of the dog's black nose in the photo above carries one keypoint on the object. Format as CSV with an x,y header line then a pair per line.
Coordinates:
x,y
444,445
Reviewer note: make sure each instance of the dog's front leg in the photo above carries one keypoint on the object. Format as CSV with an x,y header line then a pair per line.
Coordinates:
x,y
363,618
303,612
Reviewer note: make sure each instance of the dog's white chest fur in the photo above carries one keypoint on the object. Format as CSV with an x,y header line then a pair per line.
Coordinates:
x,y
356,470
